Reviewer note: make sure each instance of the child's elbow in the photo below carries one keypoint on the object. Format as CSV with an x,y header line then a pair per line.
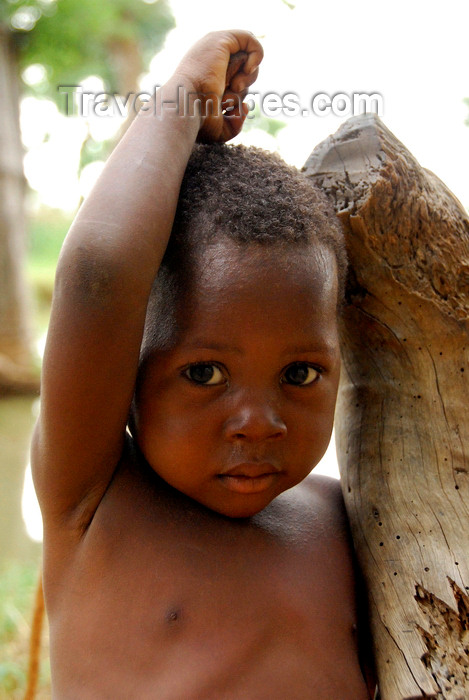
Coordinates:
x,y
87,275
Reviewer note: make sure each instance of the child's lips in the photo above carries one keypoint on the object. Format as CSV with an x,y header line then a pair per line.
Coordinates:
x,y
250,477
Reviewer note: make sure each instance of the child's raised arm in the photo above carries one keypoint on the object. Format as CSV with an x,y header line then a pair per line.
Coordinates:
x,y
105,273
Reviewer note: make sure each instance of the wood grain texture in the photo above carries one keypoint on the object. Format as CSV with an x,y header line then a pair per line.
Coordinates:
x,y
402,420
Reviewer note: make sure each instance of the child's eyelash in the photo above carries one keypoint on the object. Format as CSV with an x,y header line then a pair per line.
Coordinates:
x,y
205,374
301,380
210,374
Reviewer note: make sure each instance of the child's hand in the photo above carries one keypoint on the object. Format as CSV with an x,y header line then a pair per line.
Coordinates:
x,y
221,67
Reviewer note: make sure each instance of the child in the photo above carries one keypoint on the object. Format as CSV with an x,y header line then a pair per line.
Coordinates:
x,y
191,556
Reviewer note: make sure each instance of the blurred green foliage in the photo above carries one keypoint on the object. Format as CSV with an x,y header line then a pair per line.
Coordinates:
x,y
93,150
73,39
46,232
17,588
257,120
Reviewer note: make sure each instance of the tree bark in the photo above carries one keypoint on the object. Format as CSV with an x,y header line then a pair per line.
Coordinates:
x,y
15,347
402,421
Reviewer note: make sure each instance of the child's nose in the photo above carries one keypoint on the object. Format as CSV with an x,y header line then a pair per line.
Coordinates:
x,y
255,419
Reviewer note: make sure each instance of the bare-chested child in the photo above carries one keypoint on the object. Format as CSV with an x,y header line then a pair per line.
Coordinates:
x,y
191,557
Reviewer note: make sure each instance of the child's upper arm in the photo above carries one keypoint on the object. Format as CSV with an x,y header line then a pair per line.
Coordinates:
x,y
89,372
105,272
104,277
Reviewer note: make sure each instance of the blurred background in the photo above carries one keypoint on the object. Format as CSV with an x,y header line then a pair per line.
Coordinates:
x,y
53,144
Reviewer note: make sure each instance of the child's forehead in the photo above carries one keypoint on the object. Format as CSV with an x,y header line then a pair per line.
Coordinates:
x,y
226,264
249,285
229,289
269,297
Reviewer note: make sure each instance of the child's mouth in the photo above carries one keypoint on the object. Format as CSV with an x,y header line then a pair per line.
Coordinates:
x,y
250,478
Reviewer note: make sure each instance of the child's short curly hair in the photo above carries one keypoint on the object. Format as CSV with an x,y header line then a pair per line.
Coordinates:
x,y
249,196
252,196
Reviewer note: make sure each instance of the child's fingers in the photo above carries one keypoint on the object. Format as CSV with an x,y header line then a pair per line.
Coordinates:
x,y
239,40
236,62
223,63
241,82
231,104
234,117
249,43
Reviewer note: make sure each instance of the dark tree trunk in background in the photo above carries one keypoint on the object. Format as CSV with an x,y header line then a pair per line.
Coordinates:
x,y
402,420
15,342
128,66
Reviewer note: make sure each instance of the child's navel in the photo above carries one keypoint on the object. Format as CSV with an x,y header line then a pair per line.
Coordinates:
x,y
172,615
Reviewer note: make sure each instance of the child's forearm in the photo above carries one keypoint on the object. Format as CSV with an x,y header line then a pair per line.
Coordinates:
x,y
125,223
127,219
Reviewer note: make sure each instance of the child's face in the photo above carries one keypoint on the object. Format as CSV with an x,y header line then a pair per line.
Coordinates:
x,y
241,407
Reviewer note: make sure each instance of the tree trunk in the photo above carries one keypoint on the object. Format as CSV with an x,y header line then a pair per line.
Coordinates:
x,y
402,424
15,348
127,61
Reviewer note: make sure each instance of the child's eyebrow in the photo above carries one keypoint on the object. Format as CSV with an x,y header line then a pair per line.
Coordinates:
x,y
200,344
320,348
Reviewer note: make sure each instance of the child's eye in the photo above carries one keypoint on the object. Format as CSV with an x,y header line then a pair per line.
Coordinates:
x,y
205,373
300,374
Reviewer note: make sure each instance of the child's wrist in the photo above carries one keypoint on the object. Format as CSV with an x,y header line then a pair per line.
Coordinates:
x,y
175,102
179,98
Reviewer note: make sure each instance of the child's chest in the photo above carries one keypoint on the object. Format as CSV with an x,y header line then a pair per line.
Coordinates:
x,y
158,577
189,561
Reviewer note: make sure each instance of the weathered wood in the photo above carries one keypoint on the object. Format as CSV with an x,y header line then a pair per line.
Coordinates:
x,y
402,420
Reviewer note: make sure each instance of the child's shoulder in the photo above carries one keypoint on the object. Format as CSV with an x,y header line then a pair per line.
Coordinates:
x,y
322,491
323,494
323,486
312,510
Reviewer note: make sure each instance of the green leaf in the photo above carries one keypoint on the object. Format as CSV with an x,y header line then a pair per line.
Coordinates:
x,y
73,39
